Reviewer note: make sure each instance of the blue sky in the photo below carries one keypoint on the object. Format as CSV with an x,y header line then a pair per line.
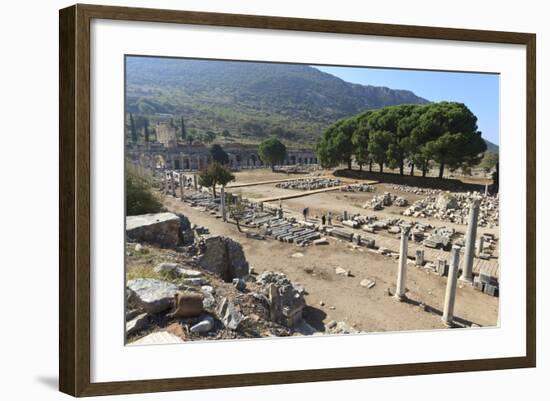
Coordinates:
x,y
480,92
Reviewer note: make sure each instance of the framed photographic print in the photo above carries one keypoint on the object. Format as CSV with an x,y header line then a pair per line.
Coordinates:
x,y
250,200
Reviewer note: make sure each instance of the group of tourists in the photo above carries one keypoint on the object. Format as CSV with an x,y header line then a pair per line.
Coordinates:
x,y
324,218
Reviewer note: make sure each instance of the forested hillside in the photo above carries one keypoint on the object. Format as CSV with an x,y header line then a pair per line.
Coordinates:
x,y
247,102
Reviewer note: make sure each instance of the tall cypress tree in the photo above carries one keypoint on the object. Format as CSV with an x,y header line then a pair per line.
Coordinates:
x,y
133,131
183,133
146,129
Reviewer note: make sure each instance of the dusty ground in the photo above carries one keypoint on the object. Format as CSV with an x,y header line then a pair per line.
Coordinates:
x,y
343,298
336,202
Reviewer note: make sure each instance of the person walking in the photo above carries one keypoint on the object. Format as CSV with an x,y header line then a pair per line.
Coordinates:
x,y
330,218
306,212
323,220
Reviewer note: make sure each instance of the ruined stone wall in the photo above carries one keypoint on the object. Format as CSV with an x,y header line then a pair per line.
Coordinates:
x,y
171,155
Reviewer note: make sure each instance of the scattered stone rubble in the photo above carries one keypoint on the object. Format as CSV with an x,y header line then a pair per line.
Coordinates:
x,y
308,184
414,190
455,208
378,202
487,284
358,188
214,268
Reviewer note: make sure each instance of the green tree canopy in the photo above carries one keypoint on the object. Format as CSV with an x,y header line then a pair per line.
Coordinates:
x,y
445,133
219,155
449,134
208,136
336,144
272,151
360,140
215,174
379,142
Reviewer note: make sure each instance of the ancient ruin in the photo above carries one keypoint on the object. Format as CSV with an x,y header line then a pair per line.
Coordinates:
x,y
242,226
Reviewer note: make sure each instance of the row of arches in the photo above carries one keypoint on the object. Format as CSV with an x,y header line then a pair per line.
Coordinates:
x,y
183,161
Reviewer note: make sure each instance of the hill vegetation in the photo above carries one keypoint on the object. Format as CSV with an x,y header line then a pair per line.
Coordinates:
x,y
246,101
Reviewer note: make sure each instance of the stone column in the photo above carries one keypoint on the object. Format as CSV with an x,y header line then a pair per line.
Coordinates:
x,y
182,179
450,293
173,184
222,204
402,266
441,267
480,245
195,183
419,257
470,242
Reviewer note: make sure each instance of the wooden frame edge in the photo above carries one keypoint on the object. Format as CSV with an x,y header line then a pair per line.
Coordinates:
x,y
67,132
74,199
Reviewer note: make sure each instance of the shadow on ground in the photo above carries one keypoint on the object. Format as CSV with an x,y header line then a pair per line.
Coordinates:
x,y
457,321
314,317
421,182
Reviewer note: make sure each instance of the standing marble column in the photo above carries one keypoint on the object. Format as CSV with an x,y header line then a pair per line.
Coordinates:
x,y
195,184
181,181
402,266
450,293
470,242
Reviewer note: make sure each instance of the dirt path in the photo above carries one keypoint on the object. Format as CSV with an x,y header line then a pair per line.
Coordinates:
x,y
343,297
249,184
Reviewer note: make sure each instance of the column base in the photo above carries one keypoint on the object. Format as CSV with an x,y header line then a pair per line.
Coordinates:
x,y
465,280
400,298
448,324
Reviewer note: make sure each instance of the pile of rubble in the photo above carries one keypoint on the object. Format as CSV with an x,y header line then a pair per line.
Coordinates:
x,y
204,290
308,184
378,202
208,308
440,238
286,300
455,208
358,188
414,190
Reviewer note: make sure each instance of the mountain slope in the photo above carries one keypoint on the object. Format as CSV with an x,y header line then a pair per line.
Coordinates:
x,y
491,147
250,100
